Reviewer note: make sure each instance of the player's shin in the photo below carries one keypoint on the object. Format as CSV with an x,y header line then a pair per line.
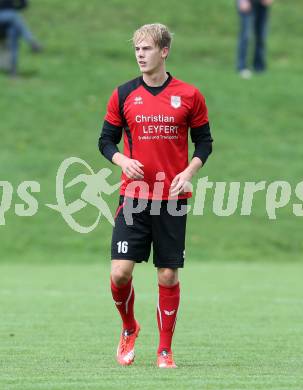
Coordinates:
x,y
124,297
168,304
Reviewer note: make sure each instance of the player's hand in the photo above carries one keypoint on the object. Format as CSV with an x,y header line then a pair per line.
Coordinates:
x,y
266,3
244,6
132,168
181,183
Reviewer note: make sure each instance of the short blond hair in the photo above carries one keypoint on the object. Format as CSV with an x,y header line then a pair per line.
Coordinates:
x,y
160,34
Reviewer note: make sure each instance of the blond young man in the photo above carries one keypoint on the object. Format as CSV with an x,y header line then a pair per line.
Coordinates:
x,y
154,111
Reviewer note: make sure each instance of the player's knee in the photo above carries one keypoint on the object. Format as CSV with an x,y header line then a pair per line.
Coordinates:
x,y
167,276
120,276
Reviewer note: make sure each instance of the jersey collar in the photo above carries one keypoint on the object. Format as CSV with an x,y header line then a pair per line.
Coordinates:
x,y
156,90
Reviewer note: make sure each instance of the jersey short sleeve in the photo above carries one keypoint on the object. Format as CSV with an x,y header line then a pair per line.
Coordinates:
x,y
113,115
198,115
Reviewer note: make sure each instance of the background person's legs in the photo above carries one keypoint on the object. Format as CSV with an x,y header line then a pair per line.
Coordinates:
x,y
14,18
15,28
260,30
243,39
13,47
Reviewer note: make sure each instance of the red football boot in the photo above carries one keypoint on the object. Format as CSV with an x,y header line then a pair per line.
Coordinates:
x,y
126,347
165,360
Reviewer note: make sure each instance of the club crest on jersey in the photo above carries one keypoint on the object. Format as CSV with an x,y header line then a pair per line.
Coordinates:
x,y
175,101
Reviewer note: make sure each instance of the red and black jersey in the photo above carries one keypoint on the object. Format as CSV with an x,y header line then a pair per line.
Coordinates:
x,y
156,122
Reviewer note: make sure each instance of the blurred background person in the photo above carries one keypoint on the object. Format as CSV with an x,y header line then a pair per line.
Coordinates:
x,y
12,28
253,16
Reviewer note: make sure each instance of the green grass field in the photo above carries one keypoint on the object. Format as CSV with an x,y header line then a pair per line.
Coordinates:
x,y
241,318
56,107
240,327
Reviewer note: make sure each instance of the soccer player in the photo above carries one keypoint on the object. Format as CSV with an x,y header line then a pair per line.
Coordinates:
x,y
155,111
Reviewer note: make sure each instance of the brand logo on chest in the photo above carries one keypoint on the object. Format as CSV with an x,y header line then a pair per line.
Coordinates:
x,y
138,100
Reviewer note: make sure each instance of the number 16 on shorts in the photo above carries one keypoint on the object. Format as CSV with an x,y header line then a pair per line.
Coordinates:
x,y
122,246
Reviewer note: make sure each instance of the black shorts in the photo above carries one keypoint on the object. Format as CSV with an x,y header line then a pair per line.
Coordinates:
x,y
132,241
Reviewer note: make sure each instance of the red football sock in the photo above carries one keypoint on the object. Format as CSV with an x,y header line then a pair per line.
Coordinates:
x,y
124,298
169,298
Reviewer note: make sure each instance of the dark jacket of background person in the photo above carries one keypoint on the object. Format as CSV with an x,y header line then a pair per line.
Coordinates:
x,y
13,4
